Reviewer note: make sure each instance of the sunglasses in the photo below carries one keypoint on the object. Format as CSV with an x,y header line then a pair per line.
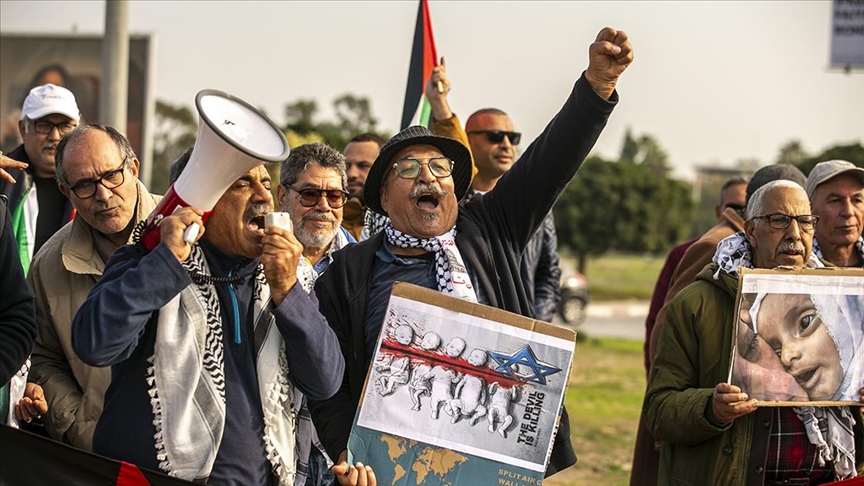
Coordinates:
x,y
109,180
309,197
497,136
410,168
806,222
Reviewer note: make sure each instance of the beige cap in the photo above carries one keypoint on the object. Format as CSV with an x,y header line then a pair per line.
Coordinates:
x,y
824,171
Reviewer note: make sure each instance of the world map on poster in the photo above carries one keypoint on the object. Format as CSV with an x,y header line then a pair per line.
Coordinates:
x,y
426,462
453,397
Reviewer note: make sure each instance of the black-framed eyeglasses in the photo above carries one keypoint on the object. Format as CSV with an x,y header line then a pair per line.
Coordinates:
x,y
45,127
109,180
497,136
806,222
310,196
409,168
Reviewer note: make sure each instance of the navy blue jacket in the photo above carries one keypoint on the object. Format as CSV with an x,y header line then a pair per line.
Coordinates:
x,y
117,326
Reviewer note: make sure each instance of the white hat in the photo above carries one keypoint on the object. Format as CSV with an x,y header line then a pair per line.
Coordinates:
x,y
823,171
48,100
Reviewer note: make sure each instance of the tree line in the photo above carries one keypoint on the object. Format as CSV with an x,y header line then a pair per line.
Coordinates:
x,y
628,204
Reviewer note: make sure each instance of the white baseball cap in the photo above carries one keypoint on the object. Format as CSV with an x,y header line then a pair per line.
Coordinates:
x,y
50,99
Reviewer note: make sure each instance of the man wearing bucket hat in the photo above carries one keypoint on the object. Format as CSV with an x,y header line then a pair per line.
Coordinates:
x,y
38,207
836,192
470,251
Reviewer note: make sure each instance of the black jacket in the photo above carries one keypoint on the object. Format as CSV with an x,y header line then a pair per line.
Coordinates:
x,y
23,182
17,314
541,274
23,178
492,232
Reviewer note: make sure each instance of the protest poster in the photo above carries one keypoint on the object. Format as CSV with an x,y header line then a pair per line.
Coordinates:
x,y
460,393
799,336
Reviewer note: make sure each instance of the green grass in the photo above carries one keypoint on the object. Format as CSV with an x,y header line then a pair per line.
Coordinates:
x,y
607,384
621,277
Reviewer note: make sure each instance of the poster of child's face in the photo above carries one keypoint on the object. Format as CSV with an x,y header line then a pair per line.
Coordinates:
x,y
799,337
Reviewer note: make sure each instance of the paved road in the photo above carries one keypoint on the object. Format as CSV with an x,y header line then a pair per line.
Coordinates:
x,y
623,327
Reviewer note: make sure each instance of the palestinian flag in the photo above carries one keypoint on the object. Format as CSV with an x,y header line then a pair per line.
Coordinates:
x,y
424,57
30,459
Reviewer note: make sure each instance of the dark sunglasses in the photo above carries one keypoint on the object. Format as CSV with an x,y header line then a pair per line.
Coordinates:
x,y
806,222
309,197
497,136
109,180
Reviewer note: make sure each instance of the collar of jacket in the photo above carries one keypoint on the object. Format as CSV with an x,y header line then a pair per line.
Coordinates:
x,y
727,283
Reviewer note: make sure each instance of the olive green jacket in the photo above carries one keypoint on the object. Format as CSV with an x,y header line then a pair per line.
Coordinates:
x,y
693,354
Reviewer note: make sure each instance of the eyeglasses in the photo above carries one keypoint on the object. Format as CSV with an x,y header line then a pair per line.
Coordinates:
x,y
497,136
109,180
806,222
46,127
309,197
410,168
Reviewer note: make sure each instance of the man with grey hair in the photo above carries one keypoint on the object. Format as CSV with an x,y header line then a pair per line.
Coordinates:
x,y
836,192
711,431
97,170
38,207
700,253
312,191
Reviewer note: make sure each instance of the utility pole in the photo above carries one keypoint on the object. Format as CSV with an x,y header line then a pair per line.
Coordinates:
x,y
115,65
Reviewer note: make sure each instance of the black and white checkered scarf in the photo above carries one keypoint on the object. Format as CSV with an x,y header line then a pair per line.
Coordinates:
x,y
186,381
734,252
452,276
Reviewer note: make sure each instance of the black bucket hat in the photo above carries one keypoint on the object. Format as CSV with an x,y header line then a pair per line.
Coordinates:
x,y
417,135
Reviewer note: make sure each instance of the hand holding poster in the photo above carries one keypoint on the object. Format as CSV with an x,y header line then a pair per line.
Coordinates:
x,y
460,393
799,336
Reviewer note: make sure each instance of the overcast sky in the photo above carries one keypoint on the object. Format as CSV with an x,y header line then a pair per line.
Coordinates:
x,y
713,82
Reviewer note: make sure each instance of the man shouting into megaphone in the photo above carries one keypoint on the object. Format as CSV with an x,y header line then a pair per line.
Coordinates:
x,y
201,337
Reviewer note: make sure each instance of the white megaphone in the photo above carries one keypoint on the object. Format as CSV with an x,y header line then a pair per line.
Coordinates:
x,y
233,137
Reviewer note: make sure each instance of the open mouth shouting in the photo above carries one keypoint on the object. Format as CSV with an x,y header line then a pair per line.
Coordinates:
x,y
427,197
254,218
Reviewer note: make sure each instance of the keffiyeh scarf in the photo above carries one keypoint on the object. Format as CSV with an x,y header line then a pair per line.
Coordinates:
x,y
186,381
306,273
733,252
451,274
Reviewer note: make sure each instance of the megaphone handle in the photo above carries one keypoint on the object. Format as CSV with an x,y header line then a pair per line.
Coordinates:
x,y
190,234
